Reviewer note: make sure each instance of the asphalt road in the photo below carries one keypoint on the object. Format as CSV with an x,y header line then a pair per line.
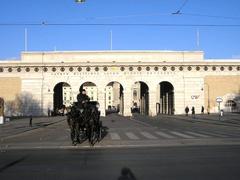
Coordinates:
x,y
121,131
180,163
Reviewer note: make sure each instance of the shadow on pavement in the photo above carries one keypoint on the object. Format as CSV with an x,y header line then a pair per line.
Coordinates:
x,y
126,174
5,167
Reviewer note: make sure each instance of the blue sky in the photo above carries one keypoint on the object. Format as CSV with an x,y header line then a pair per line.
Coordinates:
x,y
216,42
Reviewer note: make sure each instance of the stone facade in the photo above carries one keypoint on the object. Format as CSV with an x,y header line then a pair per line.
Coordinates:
x,y
186,71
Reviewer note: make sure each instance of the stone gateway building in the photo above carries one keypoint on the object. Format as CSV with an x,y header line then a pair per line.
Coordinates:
x,y
149,82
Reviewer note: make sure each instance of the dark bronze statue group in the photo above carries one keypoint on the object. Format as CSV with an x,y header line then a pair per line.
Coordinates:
x,y
83,118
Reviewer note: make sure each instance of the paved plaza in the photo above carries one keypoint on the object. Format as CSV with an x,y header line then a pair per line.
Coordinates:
x,y
135,131
161,147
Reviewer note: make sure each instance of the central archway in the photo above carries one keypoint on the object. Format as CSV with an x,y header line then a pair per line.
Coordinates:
x,y
91,90
114,98
140,98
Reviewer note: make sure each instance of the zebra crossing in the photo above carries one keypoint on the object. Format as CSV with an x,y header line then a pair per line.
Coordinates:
x,y
155,135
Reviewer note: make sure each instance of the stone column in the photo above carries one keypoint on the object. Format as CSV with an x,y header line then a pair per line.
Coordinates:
x,y
101,100
127,98
121,105
167,103
152,102
164,104
161,106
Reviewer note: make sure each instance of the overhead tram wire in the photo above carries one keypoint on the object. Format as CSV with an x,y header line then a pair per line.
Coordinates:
x,y
120,24
181,7
179,12
209,16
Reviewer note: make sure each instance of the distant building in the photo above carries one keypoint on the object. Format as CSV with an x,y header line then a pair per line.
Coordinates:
x,y
158,82
91,91
67,95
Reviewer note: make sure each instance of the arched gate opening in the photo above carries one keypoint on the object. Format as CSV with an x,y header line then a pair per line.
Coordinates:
x,y
140,98
166,101
91,90
114,98
62,97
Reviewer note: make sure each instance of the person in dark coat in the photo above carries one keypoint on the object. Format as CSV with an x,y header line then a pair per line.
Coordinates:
x,y
187,110
193,112
30,121
82,98
202,110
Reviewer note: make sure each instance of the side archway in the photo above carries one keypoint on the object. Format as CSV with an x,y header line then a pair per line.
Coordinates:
x,y
62,97
166,94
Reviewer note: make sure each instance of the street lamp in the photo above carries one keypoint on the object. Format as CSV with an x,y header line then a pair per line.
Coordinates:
x,y
208,106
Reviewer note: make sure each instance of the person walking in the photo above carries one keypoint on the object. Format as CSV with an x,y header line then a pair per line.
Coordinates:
x,y
202,110
49,112
193,112
187,110
30,121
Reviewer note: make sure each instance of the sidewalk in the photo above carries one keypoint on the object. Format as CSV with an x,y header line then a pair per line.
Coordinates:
x,y
18,126
229,119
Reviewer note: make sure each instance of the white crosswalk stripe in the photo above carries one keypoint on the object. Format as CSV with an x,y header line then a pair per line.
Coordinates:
x,y
132,136
198,134
163,134
148,135
181,134
214,134
114,136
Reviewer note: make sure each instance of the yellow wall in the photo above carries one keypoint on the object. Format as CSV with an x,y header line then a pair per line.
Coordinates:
x,y
220,86
9,87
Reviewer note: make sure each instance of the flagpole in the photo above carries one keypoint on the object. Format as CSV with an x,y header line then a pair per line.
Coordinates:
x,y
198,39
25,40
111,43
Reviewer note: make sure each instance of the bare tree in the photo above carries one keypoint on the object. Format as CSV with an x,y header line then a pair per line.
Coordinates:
x,y
24,104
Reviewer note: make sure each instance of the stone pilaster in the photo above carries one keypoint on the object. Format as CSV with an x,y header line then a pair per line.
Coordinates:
x,y
127,98
101,100
152,102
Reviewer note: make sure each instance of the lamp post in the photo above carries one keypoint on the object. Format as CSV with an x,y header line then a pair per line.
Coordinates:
x,y
42,108
208,105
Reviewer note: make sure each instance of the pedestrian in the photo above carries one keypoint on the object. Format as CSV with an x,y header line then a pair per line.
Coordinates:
x,y
193,112
30,121
202,110
221,112
186,110
49,112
